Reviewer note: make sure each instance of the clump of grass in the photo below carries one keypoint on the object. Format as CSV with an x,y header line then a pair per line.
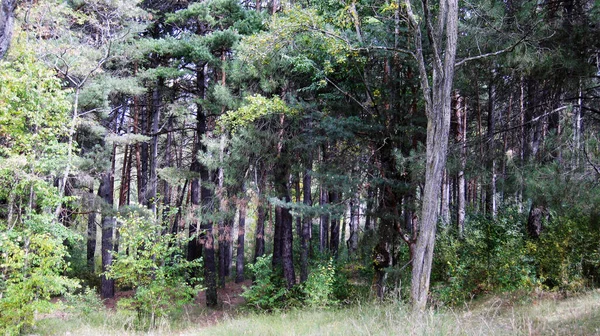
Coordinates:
x,y
495,315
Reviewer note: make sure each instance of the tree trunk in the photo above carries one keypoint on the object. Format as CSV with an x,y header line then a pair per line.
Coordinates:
x,y
7,21
91,233
259,245
334,239
108,221
306,224
143,173
491,207
438,99
239,264
354,226
283,240
156,103
445,201
369,222
323,221
461,138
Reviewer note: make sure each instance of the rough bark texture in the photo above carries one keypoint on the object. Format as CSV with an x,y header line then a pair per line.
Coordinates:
x,y
323,221
306,223
354,226
438,99
106,193
259,245
156,103
461,138
491,206
91,233
239,264
334,241
7,21
283,241
535,222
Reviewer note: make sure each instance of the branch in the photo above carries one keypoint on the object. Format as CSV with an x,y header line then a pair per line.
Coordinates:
x,y
346,94
499,52
590,161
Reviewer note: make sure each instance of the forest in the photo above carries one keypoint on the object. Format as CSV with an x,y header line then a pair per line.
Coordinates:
x,y
415,157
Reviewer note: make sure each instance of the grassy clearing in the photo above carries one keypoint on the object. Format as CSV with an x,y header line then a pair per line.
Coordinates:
x,y
578,315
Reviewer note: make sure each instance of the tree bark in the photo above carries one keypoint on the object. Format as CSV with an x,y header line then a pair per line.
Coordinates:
x,y
334,240
259,245
354,226
7,21
491,207
306,223
239,264
461,138
106,194
438,97
283,221
156,104
91,233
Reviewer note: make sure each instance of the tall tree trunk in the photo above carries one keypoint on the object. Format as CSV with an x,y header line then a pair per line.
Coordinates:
x,y
156,104
91,232
7,21
491,207
323,220
204,244
445,201
306,223
354,225
334,239
239,264
143,166
259,245
283,221
438,97
461,138
369,222
108,223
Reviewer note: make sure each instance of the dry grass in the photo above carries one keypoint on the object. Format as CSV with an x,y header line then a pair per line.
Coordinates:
x,y
525,315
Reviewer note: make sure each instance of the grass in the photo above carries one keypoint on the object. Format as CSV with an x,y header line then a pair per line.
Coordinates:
x,y
497,315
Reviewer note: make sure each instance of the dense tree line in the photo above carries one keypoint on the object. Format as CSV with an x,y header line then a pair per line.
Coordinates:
x,y
360,131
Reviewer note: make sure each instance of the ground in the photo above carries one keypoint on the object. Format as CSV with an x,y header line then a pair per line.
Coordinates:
x,y
506,314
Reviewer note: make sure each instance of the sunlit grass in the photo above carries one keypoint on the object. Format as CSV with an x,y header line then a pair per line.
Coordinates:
x,y
578,315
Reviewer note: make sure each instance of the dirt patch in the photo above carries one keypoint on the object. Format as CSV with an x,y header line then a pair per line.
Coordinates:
x,y
229,300
112,303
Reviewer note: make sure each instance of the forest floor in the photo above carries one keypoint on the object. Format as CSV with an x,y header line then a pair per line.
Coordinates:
x,y
507,314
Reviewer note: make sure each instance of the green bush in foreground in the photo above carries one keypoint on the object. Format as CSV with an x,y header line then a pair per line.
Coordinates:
x,y
30,274
150,262
324,287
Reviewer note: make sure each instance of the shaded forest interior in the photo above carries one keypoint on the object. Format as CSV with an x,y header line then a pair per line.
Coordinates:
x,y
326,150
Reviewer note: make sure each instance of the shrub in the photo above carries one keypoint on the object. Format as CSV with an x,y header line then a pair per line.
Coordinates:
x,y
319,287
151,262
31,271
268,291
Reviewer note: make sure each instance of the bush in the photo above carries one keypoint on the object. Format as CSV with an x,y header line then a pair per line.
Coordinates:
x,y
151,262
319,287
492,257
31,271
566,255
268,292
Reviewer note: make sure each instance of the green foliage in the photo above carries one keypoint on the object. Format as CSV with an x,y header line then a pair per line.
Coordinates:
x,y
33,106
150,261
83,304
31,269
492,257
268,291
255,108
319,287
566,255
